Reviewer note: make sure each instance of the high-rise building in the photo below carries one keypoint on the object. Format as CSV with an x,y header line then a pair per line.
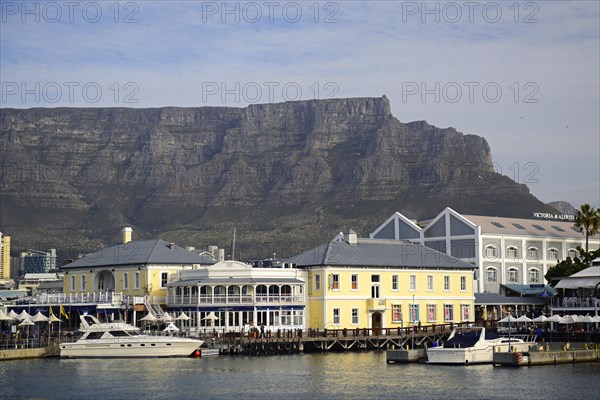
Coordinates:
x,y
4,257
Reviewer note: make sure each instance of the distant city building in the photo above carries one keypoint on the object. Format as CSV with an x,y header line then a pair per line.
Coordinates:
x,y
4,257
38,262
32,281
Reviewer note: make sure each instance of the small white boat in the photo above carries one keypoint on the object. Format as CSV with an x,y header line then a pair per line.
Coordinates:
x,y
474,345
119,339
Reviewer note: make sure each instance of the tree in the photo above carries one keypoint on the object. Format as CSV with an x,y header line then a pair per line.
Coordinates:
x,y
587,219
570,266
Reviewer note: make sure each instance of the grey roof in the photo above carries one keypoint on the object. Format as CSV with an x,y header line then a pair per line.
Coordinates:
x,y
155,251
496,299
235,281
531,289
49,285
377,253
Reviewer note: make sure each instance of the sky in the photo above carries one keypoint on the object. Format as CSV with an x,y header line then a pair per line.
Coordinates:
x,y
523,75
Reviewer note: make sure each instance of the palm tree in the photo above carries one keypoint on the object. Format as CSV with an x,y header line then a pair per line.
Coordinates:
x,y
587,219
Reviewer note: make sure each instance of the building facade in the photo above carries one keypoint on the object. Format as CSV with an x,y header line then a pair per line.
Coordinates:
x,y
231,295
4,258
365,283
506,251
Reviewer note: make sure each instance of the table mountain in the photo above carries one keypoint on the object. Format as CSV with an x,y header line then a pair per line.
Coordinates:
x,y
287,175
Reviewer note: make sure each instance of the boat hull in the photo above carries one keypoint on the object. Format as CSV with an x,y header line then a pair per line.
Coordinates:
x,y
151,347
471,355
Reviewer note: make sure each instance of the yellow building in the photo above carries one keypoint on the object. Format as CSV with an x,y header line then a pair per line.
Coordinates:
x,y
137,268
4,257
371,283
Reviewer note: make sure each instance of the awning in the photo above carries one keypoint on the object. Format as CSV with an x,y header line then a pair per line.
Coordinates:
x,y
532,289
576,283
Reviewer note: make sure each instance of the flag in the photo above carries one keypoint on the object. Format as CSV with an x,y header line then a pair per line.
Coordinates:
x,y
51,312
62,312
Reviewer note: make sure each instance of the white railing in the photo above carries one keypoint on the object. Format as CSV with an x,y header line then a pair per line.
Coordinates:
x,y
96,297
234,299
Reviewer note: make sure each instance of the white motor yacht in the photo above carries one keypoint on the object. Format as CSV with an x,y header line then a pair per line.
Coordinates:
x,y
474,345
119,339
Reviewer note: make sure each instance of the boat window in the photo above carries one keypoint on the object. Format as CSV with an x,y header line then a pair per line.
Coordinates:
x,y
142,344
152,344
168,344
119,333
94,335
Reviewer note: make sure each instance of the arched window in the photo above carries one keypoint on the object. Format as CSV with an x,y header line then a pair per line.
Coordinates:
x,y
513,275
532,253
233,290
492,274
261,290
553,254
534,275
491,251
511,252
572,253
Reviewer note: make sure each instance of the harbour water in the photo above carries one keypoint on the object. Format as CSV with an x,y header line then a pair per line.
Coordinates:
x,y
307,376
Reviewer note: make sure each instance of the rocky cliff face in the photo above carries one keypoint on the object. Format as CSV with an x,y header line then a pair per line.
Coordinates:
x,y
286,175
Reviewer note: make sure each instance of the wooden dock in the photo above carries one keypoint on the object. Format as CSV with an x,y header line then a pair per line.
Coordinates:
x,y
543,355
332,340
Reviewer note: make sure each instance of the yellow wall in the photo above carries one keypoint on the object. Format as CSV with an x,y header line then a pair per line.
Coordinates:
x,y
323,302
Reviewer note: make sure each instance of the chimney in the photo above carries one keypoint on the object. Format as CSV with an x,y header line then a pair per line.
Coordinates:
x,y
127,232
212,249
221,255
352,238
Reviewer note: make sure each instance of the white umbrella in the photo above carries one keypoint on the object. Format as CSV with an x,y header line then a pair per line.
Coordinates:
x,y
171,328
13,314
587,319
523,318
4,317
39,317
166,318
26,322
569,319
508,318
54,318
541,318
23,315
183,317
555,318
149,317
596,318
211,316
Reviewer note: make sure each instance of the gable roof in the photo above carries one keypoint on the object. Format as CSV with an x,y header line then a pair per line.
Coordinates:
x,y
155,251
377,253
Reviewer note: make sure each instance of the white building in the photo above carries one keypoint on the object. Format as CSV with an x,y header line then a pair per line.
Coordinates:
x,y
238,294
506,251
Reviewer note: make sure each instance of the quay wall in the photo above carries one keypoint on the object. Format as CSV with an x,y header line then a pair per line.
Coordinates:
x,y
19,354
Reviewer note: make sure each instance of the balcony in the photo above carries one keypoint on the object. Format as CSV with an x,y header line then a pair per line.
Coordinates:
x,y
575,303
376,304
235,299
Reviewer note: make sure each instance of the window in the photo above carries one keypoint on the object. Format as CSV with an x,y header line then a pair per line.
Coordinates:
x,y
572,253
396,313
448,313
83,283
413,282
492,274
463,283
414,312
558,228
578,230
511,252
518,226
538,227
552,254
532,253
73,286
431,313
336,316
446,283
375,287
355,316
354,282
534,275
335,281
395,282
491,252
513,275
317,282
164,278
430,283
136,281
126,281
465,311
497,224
